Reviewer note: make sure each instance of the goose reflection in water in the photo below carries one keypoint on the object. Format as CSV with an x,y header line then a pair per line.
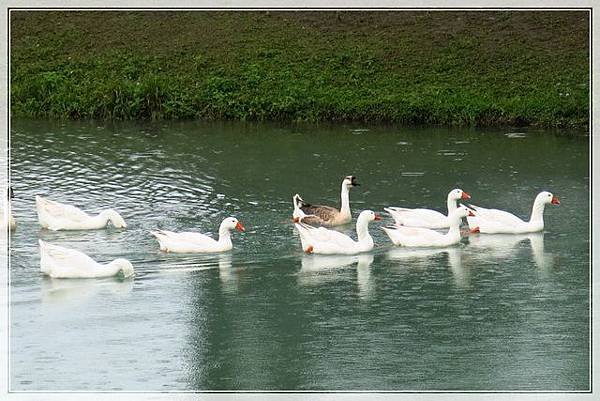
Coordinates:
x,y
56,291
366,287
318,269
504,246
227,273
422,255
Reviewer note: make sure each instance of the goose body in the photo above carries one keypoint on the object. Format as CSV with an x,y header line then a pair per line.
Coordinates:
x,y
427,218
426,237
328,216
6,217
325,241
192,242
494,221
60,262
57,216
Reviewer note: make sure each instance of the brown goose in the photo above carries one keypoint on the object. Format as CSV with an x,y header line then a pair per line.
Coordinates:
x,y
326,215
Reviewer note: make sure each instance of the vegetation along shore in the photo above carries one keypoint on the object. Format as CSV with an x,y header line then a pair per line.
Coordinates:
x,y
412,67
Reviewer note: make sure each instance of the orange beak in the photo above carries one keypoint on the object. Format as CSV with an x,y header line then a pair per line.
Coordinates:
x,y
296,219
239,227
555,201
465,195
377,217
471,214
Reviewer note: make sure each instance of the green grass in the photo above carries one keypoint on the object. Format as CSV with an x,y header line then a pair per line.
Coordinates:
x,y
450,68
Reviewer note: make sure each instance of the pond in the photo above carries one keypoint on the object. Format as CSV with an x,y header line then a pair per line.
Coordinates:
x,y
493,313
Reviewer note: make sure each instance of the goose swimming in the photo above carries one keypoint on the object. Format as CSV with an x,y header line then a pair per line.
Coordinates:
x,y
326,241
192,242
329,216
494,221
57,216
60,262
427,218
426,237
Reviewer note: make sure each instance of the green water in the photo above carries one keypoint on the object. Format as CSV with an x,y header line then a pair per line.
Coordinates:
x,y
495,313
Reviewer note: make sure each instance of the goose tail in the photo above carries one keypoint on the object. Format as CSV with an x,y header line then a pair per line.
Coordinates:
x,y
161,236
299,202
158,233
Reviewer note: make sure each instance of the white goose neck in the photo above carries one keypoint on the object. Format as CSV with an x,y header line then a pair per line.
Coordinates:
x,y
362,229
454,225
537,212
224,235
112,268
103,218
345,209
451,203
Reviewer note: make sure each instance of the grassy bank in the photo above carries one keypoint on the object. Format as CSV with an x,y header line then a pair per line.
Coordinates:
x,y
453,68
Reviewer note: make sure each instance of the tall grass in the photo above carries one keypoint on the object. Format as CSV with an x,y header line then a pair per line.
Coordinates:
x,y
450,68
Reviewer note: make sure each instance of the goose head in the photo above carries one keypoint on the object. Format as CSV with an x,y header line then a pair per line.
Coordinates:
x,y
457,194
460,212
124,266
349,181
367,216
115,218
231,223
463,211
362,224
546,197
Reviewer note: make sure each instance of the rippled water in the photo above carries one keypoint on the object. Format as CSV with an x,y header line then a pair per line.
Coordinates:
x,y
495,313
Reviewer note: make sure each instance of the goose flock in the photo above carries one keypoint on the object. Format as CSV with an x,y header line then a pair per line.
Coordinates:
x,y
414,228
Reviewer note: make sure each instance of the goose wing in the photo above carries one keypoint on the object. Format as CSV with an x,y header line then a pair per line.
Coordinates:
x,y
59,210
417,232
413,236
496,215
417,217
62,256
325,213
190,237
324,235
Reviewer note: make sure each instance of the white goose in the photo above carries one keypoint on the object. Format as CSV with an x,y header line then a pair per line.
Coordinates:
x,y
59,262
425,237
191,242
326,215
325,241
57,216
494,221
6,218
426,217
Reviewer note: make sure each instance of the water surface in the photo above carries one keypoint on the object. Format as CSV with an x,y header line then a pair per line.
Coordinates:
x,y
495,313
